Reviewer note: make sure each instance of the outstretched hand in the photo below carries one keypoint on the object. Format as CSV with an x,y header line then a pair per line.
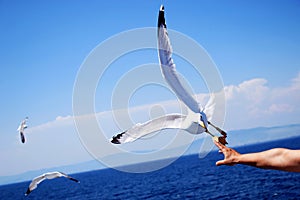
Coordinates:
x,y
230,155
277,158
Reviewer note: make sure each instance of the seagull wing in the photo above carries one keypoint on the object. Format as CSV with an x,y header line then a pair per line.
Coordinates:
x,y
34,183
210,107
38,180
69,177
172,121
22,125
168,67
22,137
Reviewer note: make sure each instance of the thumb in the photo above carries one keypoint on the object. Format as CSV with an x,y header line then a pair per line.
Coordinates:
x,y
220,162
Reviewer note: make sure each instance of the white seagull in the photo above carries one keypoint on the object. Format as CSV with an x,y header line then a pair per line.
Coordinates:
x,y
21,129
196,122
49,175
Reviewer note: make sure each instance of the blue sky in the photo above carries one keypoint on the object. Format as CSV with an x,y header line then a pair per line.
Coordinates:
x,y
255,44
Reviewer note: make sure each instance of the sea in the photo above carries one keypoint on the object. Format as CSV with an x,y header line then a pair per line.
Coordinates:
x,y
189,177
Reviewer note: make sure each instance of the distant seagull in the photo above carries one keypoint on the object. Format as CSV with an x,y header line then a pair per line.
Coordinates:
x,y
50,175
21,129
196,122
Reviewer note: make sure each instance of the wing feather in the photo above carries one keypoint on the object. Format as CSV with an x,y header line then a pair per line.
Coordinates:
x,y
210,107
172,121
168,67
36,181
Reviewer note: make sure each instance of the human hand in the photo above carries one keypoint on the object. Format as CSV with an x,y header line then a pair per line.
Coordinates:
x,y
230,155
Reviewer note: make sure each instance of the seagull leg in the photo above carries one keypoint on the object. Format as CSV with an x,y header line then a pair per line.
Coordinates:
x,y
209,133
216,138
221,139
218,129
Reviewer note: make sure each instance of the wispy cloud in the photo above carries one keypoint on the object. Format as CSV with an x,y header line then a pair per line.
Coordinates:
x,y
253,103
249,101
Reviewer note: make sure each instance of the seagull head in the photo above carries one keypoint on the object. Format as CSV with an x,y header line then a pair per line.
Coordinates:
x,y
203,120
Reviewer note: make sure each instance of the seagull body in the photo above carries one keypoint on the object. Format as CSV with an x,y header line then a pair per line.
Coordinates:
x,y
21,129
197,120
49,175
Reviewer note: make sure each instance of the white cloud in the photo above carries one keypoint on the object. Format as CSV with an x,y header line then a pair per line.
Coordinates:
x,y
253,91
296,83
60,118
280,108
253,103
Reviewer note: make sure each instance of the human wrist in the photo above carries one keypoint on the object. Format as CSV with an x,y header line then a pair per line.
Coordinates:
x,y
237,159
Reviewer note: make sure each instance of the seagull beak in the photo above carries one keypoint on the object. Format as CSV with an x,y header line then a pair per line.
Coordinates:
x,y
202,124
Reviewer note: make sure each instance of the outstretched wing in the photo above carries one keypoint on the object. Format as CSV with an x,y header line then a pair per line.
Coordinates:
x,y
37,180
23,125
22,137
168,67
210,107
172,121
69,177
34,183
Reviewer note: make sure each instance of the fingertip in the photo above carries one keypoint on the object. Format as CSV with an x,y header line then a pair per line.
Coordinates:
x,y
220,147
215,141
220,162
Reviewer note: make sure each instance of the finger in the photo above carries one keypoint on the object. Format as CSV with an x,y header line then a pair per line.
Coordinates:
x,y
219,145
220,162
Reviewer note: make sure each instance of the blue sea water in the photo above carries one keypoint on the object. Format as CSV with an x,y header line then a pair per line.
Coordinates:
x,y
187,178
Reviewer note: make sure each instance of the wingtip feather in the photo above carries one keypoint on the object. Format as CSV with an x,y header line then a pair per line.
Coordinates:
x,y
27,192
162,8
161,17
116,139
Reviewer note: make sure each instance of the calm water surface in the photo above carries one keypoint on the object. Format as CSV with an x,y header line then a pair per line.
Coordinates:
x,y
187,178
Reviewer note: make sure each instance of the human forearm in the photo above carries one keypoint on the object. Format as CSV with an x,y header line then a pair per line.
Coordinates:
x,y
278,158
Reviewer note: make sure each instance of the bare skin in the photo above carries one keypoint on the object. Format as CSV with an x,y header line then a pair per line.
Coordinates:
x,y
278,158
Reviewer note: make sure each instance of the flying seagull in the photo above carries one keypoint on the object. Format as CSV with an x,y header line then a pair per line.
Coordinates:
x,y
21,129
196,122
49,175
